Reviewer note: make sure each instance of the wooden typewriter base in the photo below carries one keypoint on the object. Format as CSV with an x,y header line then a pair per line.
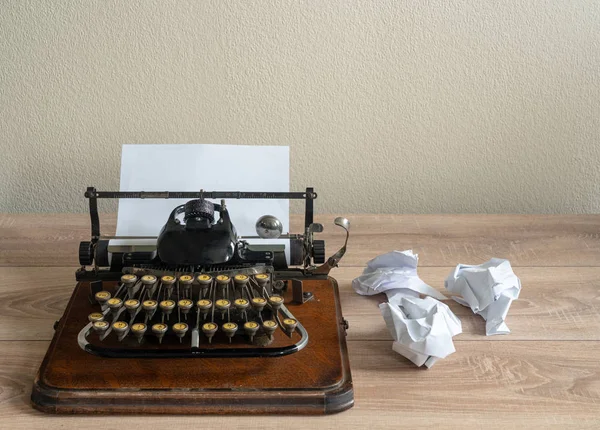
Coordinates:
x,y
315,380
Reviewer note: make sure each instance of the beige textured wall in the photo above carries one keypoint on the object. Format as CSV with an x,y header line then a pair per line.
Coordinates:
x,y
388,106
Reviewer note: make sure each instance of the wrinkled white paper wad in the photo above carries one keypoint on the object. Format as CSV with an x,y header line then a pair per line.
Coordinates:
x,y
488,289
422,328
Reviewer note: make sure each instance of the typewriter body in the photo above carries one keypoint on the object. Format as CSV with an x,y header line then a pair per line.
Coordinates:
x,y
202,321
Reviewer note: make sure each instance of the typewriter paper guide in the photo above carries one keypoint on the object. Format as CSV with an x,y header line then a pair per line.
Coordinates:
x,y
196,167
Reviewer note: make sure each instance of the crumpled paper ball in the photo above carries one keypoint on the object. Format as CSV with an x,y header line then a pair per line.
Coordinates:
x,y
488,289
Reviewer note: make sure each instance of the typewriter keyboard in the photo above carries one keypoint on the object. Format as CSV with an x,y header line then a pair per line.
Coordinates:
x,y
192,309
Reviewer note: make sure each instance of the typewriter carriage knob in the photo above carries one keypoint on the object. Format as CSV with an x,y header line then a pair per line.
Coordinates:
x,y
269,227
199,214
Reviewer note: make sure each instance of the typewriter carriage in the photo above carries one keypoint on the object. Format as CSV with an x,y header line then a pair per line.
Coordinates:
x,y
200,242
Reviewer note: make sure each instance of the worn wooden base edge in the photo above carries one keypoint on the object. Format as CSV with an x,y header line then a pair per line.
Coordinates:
x,y
48,400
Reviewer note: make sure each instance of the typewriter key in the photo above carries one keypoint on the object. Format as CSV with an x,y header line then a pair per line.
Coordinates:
x,y
209,329
275,302
204,280
114,304
185,305
258,303
251,327
229,328
96,316
262,279
102,297
240,280
129,279
241,304
100,326
138,330
159,331
149,307
223,305
269,326
132,306
130,282
148,279
204,306
186,279
223,280
186,283
180,329
290,324
168,282
120,327
167,307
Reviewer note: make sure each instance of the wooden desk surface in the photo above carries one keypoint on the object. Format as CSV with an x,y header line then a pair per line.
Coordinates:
x,y
546,373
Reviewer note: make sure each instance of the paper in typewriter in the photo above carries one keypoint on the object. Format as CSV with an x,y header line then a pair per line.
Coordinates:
x,y
195,167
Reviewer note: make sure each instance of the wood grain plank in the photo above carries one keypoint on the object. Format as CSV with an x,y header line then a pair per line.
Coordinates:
x,y
555,304
440,240
484,384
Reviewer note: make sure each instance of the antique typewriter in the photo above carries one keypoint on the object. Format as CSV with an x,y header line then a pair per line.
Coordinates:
x,y
202,321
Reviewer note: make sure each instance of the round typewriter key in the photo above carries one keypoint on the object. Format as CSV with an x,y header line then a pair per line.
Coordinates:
x,y
185,305
150,306
275,302
186,283
186,279
167,280
261,279
229,329
96,316
241,304
223,305
258,303
240,280
100,326
138,330
120,327
148,279
128,279
132,305
180,329
159,331
290,324
204,279
222,279
102,297
209,329
114,304
269,326
167,306
251,327
204,305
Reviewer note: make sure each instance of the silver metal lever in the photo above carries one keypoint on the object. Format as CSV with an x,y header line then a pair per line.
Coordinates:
x,y
335,258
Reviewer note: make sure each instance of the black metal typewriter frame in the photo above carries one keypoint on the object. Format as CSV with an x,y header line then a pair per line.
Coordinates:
x,y
93,195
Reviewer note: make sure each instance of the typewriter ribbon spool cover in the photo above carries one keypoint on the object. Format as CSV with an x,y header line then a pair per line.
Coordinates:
x,y
202,311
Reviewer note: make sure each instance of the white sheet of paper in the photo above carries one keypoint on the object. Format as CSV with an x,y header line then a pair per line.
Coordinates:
x,y
192,167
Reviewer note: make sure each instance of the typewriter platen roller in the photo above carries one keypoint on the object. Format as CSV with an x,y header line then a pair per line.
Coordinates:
x,y
199,313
